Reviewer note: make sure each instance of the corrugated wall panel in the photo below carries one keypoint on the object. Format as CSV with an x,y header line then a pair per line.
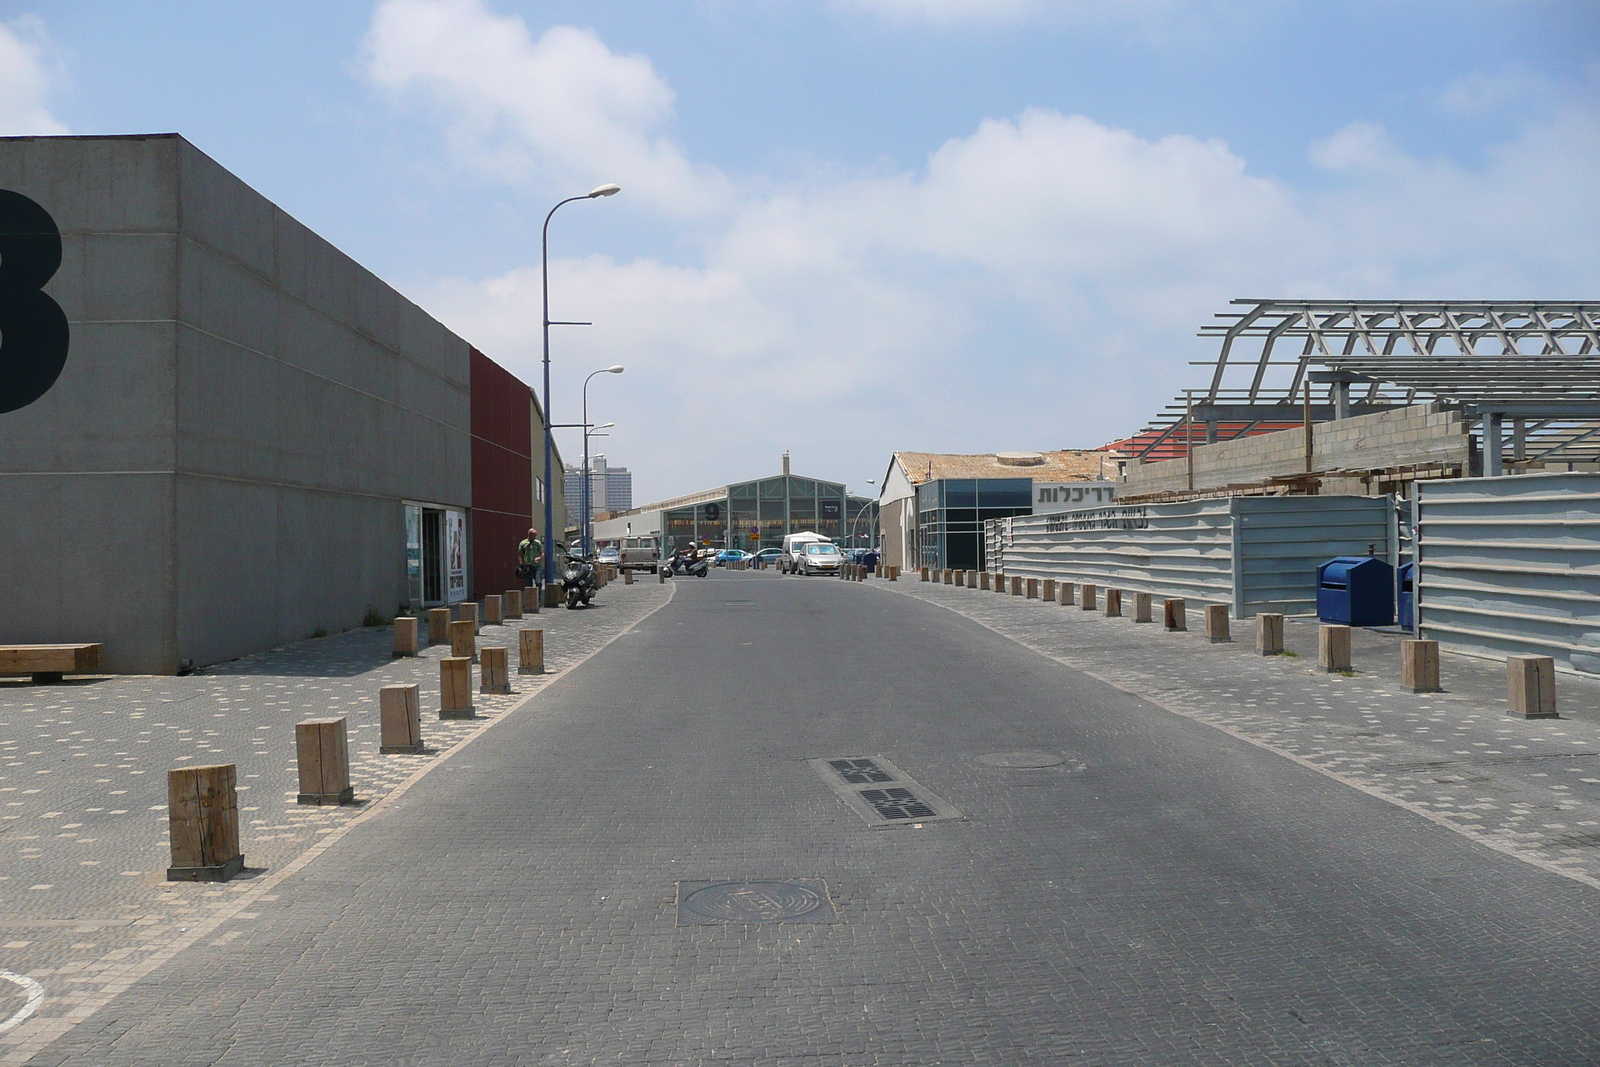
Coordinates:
x,y
1172,549
1512,566
1282,539
1253,553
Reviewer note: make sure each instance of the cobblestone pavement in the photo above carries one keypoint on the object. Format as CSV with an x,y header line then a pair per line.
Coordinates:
x,y
1163,893
1529,788
84,904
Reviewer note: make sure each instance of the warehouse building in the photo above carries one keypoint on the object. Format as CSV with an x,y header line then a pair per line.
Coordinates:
x,y
746,515
218,433
932,506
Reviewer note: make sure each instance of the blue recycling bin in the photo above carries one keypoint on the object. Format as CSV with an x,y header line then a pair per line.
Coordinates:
x,y
1408,596
1356,590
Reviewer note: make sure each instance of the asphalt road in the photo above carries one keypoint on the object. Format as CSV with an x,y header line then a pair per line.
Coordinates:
x,y
1166,895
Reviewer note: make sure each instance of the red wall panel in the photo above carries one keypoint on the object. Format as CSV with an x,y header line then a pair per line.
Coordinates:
x,y
502,474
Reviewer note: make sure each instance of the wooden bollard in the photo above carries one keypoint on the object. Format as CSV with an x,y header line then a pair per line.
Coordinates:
x,y
1269,634
405,636
661,575
322,750
530,600
1016,585
627,576
467,611
961,578
1173,617
983,579
203,817
1047,590
1088,596
492,676
1032,589
1141,607
400,720
1531,686
1113,603
438,625
1333,648
530,653
894,574
492,607
1217,624
462,641
455,687
923,571
1067,594
972,579
1419,665
511,602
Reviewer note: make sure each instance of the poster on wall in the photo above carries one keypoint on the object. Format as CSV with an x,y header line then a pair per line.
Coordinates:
x,y
455,555
413,553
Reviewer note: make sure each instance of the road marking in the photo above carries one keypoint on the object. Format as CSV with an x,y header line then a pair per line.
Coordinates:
x,y
35,993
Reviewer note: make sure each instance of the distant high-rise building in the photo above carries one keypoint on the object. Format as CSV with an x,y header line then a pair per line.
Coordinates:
x,y
610,488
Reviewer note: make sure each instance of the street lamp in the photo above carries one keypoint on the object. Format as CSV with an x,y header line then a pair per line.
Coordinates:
x,y
863,511
588,476
549,443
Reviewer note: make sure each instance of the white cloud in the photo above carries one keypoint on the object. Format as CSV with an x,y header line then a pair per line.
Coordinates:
x,y
28,73
1035,284
563,106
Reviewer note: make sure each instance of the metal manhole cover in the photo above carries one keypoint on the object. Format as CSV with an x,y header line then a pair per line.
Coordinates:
x,y
893,797
802,900
1021,759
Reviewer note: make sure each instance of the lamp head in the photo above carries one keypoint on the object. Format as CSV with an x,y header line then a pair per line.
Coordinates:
x,y
608,189
618,369
605,425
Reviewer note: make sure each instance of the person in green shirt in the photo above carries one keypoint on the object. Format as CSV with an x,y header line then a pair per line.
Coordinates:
x,y
530,553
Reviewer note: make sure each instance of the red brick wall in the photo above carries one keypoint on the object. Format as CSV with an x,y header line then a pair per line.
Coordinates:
x,y
502,475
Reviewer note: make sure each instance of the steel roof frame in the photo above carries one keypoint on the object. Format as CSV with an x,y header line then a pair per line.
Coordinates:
x,y
1530,361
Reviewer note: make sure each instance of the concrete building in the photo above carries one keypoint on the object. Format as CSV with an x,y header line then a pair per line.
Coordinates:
x,y
251,439
610,488
932,506
746,515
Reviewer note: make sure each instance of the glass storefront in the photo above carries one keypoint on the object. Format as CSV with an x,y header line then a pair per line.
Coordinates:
x,y
951,513
759,514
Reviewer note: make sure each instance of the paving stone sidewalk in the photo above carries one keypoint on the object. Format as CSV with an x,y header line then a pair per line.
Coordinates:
x,y
1527,788
84,903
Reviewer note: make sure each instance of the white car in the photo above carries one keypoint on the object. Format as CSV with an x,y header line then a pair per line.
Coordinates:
x,y
819,559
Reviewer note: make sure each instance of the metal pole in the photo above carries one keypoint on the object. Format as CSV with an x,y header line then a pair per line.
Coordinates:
x,y
588,508
549,440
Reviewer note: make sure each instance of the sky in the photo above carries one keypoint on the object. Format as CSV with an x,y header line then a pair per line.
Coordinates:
x,y
850,227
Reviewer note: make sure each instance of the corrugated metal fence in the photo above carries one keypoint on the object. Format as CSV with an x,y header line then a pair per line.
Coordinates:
x,y
1512,566
1253,553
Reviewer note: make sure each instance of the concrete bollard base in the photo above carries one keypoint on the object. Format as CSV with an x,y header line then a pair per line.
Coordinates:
x,y
347,795
220,873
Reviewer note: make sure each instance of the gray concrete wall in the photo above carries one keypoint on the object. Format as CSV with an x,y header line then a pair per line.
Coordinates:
x,y
1418,434
220,467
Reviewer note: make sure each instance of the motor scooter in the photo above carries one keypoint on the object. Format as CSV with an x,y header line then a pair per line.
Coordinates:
x,y
578,581
699,568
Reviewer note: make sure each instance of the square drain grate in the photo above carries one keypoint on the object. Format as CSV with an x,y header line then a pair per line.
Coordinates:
x,y
792,900
881,793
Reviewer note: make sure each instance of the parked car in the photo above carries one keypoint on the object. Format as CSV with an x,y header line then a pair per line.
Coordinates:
x,y
794,548
731,555
609,555
642,553
769,556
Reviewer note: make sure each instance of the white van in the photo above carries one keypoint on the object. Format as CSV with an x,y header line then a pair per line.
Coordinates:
x,y
809,553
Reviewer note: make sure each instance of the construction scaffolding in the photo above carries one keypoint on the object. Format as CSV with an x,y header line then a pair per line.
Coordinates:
x,y
1530,369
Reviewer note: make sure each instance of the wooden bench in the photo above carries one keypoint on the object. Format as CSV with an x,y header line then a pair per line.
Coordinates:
x,y
47,663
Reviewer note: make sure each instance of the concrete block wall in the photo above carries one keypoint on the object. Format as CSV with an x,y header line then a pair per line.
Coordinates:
x,y
1418,434
221,465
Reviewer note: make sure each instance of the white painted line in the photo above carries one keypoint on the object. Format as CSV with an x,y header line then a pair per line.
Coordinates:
x,y
35,993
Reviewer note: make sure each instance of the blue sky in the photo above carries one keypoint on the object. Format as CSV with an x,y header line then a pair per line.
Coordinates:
x,y
855,226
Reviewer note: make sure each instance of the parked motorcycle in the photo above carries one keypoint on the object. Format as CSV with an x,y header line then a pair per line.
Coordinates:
x,y
680,565
578,581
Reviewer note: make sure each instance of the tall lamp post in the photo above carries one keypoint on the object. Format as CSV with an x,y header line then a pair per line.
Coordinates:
x,y
549,443
863,511
588,476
